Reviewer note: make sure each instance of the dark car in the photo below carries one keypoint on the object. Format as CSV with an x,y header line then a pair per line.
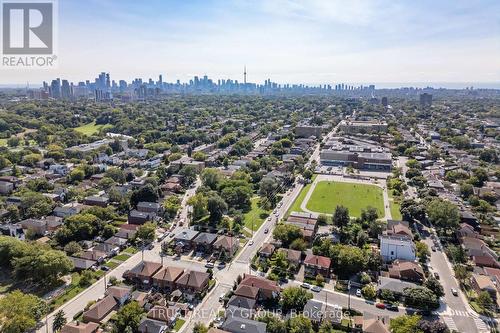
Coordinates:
x,y
436,275
105,268
392,307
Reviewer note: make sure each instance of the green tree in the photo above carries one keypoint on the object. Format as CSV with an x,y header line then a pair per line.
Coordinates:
x,y
485,301
420,298
59,321
72,248
299,324
148,193
128,316
405,324
268,189
200,328
216,207
443,214
189,173
274,324
171,205
294,298
435,286
286,233
146,232
341,216
369,291
211,178
20,312
199,204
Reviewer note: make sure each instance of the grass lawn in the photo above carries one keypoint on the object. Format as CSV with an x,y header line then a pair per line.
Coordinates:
x,y
295,207
178,324
91,128
131,250
111,264
327,195
70,292
394,206
256,216
121,257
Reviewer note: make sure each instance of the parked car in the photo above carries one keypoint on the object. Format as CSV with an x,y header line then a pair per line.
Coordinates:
x,y
305,285
436,275
392,307
433,248
221,297
454,292
380,305
209,265
250,242
105,268
316,289
358,292
221,265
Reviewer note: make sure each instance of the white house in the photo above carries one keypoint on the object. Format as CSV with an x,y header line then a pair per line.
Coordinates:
x,y
397,247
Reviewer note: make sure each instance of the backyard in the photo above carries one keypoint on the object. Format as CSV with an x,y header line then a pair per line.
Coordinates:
x,y
355,196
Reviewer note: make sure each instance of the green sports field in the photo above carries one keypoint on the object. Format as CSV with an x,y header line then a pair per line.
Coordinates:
x,y
91,128
328,195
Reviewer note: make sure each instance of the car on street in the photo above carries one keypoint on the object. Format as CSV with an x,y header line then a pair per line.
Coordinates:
x,y
316,289
392,307
358,292
266,230
380,305
250,242
305,285
221,265
209,265
436,275
433,248
454,292
221,297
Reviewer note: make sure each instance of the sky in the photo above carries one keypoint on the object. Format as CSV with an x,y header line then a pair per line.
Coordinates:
x,y
293,41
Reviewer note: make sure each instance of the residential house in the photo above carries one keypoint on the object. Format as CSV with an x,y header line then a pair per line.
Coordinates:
x,y
247,291
78,327
399,228
143,272
115,242
241,302
149,207
97,312
37,226
148,325
121,294
137,217
294,257
397,247
184,239
267,250
165,278
318,312
227,245
482,283
315,265
193,281
96,201
6,187
376,325
394,285
406,270
204,241
165,314
267,288
236,324
127,231
82,263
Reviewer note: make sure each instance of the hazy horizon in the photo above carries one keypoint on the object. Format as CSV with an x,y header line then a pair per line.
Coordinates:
x,y
293,41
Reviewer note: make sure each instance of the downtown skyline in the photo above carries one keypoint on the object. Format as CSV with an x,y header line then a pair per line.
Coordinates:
x,y
296,42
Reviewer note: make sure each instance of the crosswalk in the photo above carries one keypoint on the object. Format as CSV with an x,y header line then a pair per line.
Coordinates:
x,y
461,313
481,325
450,323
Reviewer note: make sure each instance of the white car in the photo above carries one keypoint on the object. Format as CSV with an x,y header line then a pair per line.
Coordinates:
x,y
250,242
316,289
305,285
358,292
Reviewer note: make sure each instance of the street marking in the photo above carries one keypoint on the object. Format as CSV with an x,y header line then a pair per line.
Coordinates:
x,y
481,325
450,323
